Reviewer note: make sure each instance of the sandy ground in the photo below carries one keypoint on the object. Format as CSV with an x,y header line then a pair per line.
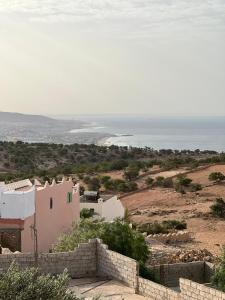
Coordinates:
x,y
202,176
166,204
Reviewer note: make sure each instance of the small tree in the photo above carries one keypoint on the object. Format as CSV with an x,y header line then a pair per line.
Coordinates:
x,y
218,208
159,181
149,181
216,176
86,213
131,172
29,285
183,181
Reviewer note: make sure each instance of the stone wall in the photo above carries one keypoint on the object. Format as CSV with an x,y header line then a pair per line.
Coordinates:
x,y
156,291
175,237
169,275
192,290
94,258
80,263
114,265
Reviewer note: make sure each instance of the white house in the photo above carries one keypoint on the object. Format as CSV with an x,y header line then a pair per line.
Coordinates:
x,y
108,207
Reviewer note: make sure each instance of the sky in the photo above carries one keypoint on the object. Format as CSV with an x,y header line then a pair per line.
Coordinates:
x,y
158,57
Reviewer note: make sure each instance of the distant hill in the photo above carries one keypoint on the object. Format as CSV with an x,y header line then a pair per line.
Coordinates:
x,y
42,129
17,117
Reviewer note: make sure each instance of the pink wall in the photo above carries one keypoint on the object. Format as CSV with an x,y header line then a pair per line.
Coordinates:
x,y
51,223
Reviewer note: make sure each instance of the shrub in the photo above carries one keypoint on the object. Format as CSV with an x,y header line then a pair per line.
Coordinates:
x,y
131,172
86,213
27,284
218,208
175,224
164,227
216,176
149,181
117,235
159,181
218,279
195,187
182,180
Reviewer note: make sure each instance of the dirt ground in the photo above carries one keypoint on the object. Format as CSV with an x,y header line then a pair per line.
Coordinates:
x,y
166,204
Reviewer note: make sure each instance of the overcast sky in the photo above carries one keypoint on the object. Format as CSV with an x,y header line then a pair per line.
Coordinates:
x,y
160,57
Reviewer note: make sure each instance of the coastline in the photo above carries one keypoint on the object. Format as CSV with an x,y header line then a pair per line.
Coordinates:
x,y
103,141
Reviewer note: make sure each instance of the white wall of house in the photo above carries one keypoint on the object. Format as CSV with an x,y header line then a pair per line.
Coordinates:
x,y
109,210
17,204
112,209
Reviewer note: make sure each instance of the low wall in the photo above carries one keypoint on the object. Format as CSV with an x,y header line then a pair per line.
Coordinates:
x,y
192,290
114,265
80,263
156,291
180,236
169,275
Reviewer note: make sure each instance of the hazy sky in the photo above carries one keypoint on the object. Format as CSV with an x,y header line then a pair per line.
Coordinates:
x,y
159,57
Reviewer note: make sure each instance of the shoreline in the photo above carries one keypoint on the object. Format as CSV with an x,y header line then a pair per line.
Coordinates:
x,y
103,141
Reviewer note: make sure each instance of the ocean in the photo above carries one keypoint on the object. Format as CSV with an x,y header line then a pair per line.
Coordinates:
x,y
204,133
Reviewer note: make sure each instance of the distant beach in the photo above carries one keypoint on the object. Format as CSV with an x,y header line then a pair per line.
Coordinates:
x,y
158,133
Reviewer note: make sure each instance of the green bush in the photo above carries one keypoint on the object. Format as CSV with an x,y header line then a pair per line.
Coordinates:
x,y
27,284
216,176
131,172
164,227
149,181
218,208
195,187
118,235
218,279
86,213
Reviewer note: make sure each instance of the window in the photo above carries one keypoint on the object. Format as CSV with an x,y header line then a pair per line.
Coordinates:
x,y
69,197
51,203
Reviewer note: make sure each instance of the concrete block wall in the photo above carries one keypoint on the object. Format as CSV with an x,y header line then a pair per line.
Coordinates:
x,y
170,274
80,263
194,291
114,265
156,291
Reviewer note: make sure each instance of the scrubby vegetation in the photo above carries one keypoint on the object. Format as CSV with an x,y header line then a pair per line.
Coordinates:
x,y
28,284
218,208
86,213
162,227
216,176
218,279
118,235
21,160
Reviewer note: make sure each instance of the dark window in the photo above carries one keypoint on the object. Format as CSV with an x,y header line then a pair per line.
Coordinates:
x,y
69,197
51,203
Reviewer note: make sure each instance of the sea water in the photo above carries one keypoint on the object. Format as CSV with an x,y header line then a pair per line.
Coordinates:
x,y
204,133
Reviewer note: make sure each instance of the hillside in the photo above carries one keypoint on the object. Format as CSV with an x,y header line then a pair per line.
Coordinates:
x,y
31,158
42,129
24,118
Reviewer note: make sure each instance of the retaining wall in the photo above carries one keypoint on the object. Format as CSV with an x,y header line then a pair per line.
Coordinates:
x,y
180,236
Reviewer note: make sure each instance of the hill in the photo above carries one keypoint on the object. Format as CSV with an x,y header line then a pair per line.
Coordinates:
x,y
42,129
24,118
